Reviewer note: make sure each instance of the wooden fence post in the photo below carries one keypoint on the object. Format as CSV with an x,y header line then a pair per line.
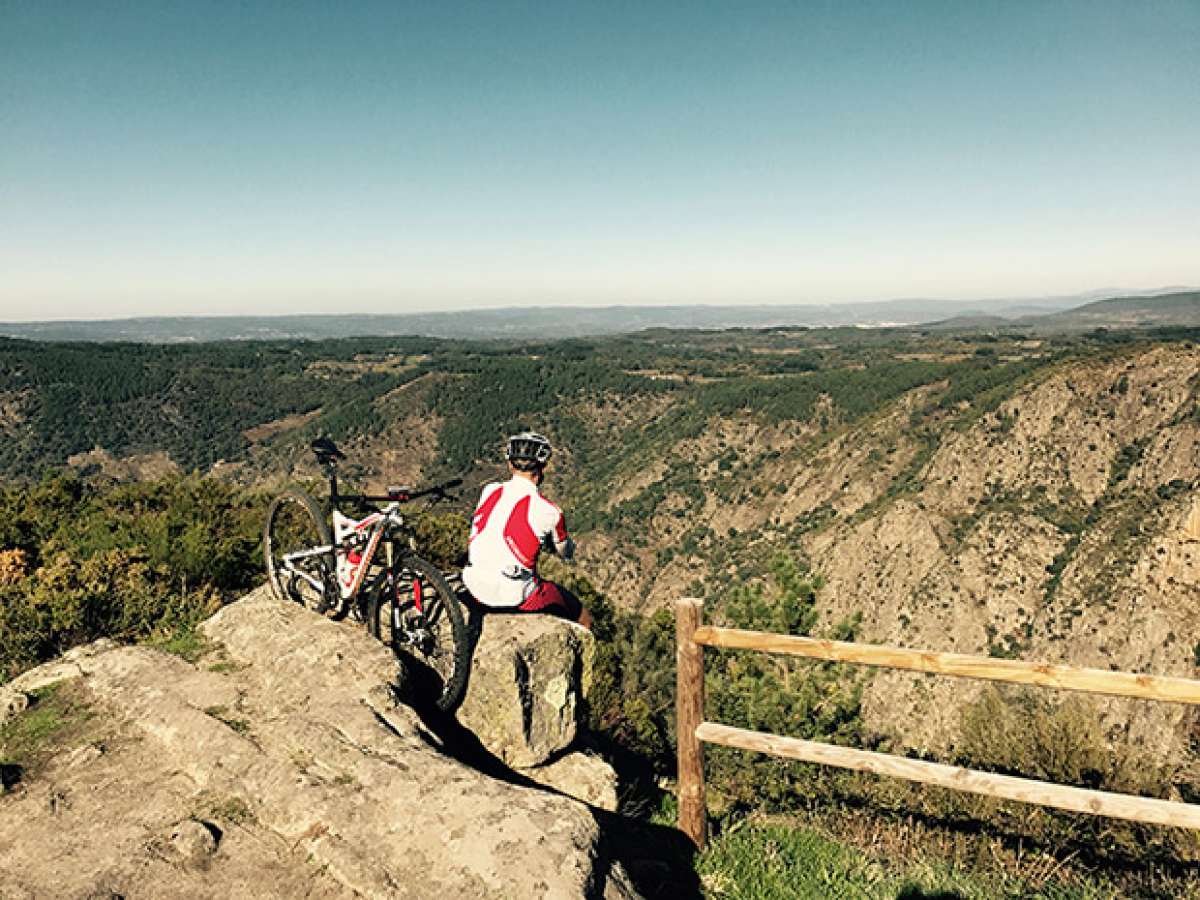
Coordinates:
x,y
689,709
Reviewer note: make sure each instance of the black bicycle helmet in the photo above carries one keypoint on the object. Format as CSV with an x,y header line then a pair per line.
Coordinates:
x,y
528,450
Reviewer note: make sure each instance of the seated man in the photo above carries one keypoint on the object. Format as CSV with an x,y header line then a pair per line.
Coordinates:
x,y
511,525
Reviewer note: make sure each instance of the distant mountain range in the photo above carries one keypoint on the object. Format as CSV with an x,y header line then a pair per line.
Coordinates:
x,y
1114,313
1132,309
1181,308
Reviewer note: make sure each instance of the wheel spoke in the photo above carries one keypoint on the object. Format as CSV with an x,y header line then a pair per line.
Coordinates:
x,y
433,612
425,625
294,530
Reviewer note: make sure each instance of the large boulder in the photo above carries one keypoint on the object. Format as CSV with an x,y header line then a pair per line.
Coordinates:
x,y
280,766
529,676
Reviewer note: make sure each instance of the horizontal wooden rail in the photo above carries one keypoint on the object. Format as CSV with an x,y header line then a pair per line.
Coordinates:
x,y
692,637
1006,787
1072,678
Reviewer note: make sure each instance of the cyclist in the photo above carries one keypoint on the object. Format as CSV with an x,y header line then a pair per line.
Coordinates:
x,y
512,524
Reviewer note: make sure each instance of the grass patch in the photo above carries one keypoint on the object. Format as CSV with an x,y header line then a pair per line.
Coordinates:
x,y
185,642
231,810
220,662
772,860
222,715
57,715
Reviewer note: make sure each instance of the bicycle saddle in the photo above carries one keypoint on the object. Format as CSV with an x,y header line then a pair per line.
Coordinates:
x,y
326,450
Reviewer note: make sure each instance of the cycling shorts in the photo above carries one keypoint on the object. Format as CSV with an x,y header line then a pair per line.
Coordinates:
x,y
548,597
541,597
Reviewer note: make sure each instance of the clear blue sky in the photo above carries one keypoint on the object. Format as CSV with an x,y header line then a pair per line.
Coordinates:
x,y
225,157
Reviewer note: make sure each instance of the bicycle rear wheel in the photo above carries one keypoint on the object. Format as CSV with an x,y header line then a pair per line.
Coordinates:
x,y
420,618
298,568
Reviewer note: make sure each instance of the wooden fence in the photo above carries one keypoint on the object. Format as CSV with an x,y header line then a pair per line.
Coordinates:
x,y
692,636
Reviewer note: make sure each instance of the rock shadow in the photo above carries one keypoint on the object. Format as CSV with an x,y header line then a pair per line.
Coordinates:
x,y
10,776
657,859
918,893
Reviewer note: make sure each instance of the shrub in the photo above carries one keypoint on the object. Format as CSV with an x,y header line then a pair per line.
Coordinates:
x,y
1027,735
776,694
1021,732
441,538
130,562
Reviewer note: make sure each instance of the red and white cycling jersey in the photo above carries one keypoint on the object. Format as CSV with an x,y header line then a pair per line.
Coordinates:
x,y
508,529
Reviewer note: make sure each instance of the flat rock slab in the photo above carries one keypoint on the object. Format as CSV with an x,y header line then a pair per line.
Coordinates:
x,y
529,675
580,775
280,768
14,696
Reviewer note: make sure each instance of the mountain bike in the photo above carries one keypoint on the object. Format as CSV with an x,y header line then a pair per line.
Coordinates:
x,y
368,569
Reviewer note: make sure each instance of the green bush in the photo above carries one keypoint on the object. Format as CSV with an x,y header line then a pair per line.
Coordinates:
x,y
441,538
633,695
1025,734
71,601
1022,732
775,694
130,562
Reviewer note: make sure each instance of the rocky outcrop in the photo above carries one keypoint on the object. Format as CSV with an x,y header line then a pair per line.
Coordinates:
x,y
529,678
14,696
280,766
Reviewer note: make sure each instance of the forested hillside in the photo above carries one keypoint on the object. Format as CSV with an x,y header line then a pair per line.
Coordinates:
x,y
225,401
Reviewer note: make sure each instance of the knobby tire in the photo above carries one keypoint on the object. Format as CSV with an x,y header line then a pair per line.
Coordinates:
x,y
313,532
444,655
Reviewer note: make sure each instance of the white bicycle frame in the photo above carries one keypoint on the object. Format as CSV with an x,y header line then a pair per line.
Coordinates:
x,y
350,572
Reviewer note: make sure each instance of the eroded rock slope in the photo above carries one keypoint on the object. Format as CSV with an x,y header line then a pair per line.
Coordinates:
x,y
280,766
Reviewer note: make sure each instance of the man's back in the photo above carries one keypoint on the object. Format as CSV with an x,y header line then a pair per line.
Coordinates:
x,y
510,525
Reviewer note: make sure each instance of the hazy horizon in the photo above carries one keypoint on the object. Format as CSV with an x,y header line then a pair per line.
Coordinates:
x,y
176,159
1049,301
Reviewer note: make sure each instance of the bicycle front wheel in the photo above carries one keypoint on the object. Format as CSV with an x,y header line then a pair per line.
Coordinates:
x,y
299,552
421,619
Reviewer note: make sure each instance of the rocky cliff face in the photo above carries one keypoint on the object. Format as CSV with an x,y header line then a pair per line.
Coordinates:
x,y
1047,519
1052,525
1051,530
281,765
